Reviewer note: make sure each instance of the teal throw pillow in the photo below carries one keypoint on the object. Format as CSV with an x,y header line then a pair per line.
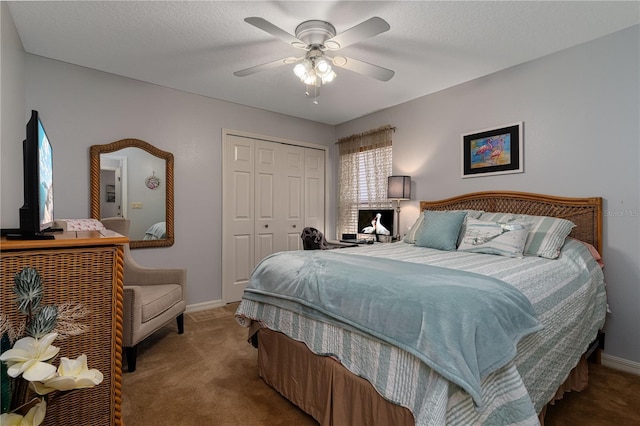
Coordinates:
x,y
440,230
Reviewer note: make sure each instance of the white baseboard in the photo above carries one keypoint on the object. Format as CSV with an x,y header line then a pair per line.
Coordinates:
x,y
621,364
212,304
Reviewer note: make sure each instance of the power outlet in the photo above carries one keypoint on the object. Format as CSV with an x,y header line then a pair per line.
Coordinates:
x,y
136,205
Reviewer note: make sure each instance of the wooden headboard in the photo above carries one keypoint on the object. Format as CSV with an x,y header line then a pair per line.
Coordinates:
x,y
586,213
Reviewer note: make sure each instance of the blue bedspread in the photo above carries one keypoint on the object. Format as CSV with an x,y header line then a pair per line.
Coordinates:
x,y
461,324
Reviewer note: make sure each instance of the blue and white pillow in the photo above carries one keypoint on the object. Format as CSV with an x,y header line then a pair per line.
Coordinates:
x,y
504,239
546,234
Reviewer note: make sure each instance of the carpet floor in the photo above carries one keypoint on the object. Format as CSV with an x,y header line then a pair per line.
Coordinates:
x,y
209,376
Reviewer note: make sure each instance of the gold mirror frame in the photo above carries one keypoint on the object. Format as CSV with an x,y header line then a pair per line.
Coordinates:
x,y
94,156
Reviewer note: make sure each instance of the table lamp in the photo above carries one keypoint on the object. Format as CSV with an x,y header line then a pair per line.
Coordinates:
x,y
398,189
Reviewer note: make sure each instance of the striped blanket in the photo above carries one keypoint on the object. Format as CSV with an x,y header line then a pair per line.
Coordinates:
x,y
567,295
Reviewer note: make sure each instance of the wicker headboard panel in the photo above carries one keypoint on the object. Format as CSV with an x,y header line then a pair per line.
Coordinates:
x,y
586,213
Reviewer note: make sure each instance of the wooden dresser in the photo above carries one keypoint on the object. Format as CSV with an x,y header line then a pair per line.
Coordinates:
x,y
86,268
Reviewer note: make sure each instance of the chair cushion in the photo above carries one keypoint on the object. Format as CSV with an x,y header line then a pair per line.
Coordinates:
x,y
158,298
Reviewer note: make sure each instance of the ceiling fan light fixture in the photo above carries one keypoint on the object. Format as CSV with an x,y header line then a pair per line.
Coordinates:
x,y
322,67
311,79
315,70
328,78
302,69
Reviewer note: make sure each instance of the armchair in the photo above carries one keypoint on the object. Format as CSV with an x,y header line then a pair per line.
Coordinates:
x,y
152,297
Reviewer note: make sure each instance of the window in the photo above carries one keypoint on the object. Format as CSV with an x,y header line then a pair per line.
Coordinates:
x,y
364,164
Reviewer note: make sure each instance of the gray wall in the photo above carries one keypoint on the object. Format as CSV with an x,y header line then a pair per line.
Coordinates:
x,y
581,115
12,119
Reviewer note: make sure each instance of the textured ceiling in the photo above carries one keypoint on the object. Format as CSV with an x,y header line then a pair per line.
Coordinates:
x,y
196,46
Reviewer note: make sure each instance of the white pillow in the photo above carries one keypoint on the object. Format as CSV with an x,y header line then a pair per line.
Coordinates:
x,y
504,239
410,237
471,214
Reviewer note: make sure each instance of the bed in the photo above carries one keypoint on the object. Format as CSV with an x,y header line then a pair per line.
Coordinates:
x,y
157,231
343,370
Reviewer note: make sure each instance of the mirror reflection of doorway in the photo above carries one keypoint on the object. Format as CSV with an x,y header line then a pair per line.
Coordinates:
x,y
113,180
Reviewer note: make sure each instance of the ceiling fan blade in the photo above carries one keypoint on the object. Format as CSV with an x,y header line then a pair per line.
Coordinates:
x,y
263,67
268,27
364,68
369,28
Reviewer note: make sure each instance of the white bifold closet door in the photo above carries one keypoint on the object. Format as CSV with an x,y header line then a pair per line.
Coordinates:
x,y
279,197
271,191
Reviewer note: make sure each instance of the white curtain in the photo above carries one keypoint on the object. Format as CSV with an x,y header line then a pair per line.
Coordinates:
x,y
365,163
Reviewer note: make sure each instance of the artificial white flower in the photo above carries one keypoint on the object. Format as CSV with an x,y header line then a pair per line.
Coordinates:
x,y
72,374
34,417
28,356
11,419
40,388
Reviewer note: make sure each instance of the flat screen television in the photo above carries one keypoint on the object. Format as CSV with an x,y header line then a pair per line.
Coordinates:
x,y
365,218
36,214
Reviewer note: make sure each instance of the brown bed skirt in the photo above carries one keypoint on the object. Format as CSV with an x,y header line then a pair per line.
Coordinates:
x,y
331,394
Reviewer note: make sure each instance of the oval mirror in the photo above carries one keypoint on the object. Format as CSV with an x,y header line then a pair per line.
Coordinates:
x,y
133,179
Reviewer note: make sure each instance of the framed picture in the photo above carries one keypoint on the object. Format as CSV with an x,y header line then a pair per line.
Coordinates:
x,y
111,193
494,151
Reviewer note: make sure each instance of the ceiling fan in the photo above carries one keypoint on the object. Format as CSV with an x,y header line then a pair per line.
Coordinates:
x,y
317,38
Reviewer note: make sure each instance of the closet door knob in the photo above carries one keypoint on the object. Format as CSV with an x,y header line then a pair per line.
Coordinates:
x,y
267,225
294,226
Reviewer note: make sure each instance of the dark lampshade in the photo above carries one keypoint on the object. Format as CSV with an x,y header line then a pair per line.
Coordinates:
x,y
399,188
